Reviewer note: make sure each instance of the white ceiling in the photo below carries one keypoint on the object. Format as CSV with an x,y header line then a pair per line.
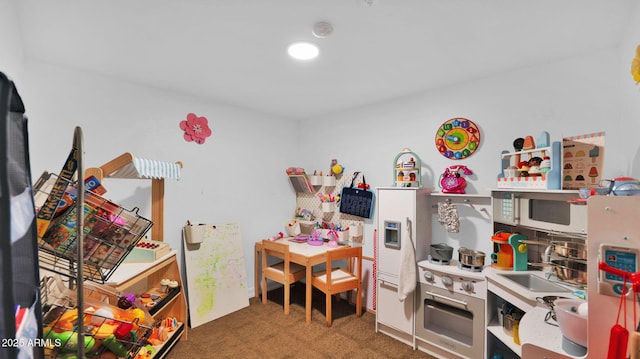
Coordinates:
x,y
234,51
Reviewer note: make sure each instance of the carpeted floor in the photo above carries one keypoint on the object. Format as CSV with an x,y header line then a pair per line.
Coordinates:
x,y
263,331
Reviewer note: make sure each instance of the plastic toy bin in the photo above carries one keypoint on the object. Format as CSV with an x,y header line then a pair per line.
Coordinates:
x,y
109,331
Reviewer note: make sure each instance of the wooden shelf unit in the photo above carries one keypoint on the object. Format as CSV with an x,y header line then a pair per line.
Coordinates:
x,y
139,278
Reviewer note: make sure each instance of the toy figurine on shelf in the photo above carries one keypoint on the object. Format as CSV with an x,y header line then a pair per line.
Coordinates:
x,y
407,167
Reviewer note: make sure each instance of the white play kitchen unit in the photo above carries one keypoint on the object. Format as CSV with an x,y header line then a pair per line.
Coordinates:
x,y
527,298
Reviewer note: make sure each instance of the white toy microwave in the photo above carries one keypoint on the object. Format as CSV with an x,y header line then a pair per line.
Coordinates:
x,y
553,211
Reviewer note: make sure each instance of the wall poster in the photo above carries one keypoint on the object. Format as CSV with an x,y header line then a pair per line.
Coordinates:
x,y
583,160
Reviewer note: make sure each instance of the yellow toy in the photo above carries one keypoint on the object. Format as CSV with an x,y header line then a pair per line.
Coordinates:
x,y
635,66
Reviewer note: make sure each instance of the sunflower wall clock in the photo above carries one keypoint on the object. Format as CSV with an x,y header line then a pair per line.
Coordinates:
x,y
457,138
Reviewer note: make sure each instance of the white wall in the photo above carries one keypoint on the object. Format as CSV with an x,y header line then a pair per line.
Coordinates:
x,y
630,91
237,175
571,97
11,55
604,308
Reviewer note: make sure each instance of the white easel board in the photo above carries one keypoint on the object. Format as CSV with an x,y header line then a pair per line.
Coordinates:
x,y
216,276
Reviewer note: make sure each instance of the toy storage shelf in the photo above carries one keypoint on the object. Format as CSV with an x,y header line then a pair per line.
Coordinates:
x,y
552,180
140,278
407,174
110,232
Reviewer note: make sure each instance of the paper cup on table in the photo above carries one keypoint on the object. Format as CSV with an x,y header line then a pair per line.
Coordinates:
x,y
355,230
343,236
293,229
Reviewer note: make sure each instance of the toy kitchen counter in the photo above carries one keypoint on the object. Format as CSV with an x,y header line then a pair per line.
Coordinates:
x,y
519,319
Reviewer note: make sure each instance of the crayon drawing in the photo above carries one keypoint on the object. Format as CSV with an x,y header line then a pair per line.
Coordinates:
x,y
216,276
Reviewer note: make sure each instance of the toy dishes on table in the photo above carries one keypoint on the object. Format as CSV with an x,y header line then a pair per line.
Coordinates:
x,y
315,241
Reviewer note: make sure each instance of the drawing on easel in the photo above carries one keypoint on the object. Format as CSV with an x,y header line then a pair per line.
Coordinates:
x,y
216,275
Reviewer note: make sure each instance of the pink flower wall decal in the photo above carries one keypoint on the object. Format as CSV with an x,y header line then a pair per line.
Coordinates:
x,y
196,129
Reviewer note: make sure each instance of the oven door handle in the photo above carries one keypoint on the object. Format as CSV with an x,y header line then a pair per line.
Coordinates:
x,y
435,295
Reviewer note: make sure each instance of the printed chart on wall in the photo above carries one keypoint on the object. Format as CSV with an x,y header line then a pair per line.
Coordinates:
x,y
583,160
216,276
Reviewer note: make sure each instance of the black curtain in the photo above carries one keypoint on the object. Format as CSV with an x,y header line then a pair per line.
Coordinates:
x,y
18,234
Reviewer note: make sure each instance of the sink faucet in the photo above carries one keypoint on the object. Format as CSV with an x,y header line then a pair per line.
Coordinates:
x,y
549,274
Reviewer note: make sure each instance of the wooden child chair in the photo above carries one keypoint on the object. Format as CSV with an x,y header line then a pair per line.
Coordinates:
x,y
283,272
342,278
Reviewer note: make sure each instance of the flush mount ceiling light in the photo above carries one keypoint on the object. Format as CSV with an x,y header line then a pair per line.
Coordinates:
x,y
303,51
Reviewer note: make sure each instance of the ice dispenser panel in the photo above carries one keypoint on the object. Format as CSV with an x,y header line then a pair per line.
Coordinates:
x,y
392,234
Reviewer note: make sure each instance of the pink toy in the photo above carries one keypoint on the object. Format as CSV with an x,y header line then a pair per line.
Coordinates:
x,y
451,180
277,236
333,238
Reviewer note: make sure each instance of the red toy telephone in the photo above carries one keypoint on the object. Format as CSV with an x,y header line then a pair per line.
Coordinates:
x,y
451,180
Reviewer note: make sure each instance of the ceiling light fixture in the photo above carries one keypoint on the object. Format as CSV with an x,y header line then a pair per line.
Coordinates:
x,y
303,51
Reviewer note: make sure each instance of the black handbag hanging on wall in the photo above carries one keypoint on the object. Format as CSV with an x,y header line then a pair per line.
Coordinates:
x,y
356,201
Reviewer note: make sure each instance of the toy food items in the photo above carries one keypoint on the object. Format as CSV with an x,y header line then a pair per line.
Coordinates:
x,y
518,143
100,315
529,143
146,352
63,325
68,341
123,330
104,330
126,301
545,165
115,346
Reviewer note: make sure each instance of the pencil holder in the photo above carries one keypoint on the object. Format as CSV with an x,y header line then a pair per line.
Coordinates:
x,y
343,236
316,180
329,181
355,230
194,234
328,206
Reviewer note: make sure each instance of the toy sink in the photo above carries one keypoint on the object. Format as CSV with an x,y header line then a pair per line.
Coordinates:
x,y
533,282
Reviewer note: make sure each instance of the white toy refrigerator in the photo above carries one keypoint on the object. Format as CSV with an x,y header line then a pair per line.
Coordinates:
x,y
403,224
614,239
